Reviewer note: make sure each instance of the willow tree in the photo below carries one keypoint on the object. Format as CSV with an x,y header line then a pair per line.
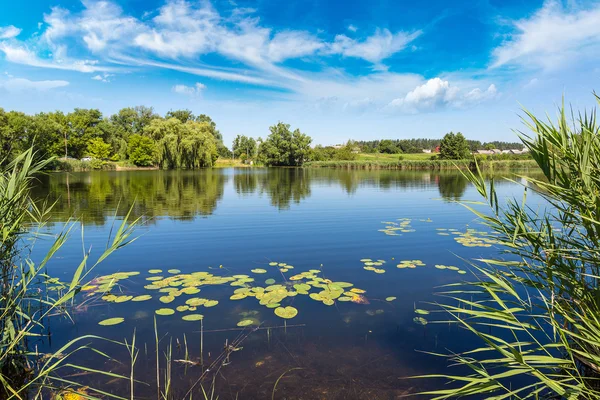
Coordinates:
x,y
183,145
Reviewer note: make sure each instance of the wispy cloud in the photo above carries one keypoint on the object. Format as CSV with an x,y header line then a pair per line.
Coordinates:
x,y
184,31
22,84
552,37
374,48
7,32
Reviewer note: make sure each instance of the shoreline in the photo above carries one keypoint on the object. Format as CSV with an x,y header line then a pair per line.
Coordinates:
x,y
424,164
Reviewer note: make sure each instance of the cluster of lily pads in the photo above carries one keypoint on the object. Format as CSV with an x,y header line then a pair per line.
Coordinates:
x,y
174,284
371,265
392,228
473,238
410,264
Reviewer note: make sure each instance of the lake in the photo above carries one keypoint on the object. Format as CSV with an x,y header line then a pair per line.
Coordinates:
x,y
362,246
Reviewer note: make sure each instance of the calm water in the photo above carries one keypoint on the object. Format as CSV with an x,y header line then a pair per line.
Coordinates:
x,y
231,221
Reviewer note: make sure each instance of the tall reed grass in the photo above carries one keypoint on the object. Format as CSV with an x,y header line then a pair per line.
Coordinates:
x,y
26,306
536,318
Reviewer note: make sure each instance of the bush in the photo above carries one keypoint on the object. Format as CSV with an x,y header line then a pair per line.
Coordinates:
x,y
141,150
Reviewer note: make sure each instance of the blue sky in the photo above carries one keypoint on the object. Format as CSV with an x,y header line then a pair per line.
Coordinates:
x,y
335,69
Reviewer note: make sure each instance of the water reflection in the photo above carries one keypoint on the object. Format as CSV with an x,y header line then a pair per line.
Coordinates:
x,y
94,196
452,186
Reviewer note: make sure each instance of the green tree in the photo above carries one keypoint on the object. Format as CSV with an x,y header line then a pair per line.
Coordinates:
x,y
284,147
128,121
387,146
141,150
454,147
244,145
183,145
83,125
182,115
98,148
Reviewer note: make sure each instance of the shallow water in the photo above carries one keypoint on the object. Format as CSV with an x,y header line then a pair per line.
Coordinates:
x,y
231,221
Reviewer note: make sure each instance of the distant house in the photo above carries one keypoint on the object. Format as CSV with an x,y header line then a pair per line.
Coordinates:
x,y
493,151
498,151
86,159
428,151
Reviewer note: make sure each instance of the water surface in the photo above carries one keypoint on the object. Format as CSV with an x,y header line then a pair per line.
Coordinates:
x,y
230,221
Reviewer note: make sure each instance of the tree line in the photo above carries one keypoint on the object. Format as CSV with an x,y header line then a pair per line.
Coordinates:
x,y
399,146
181,139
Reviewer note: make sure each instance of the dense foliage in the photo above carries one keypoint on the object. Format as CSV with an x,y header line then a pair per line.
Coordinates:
x,y
244,147
454,146
399,146
536,317
179,140
284,147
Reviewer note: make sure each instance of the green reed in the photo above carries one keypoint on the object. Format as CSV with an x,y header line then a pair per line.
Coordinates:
x,y
25,303
537,318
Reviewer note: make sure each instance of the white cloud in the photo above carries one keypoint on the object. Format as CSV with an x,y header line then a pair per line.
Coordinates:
x,y
359,105
8,32
375,48
437,93
352,28
180,33
22,84
477,95
292,44
22,55
103,77
100,24
191,91
552,37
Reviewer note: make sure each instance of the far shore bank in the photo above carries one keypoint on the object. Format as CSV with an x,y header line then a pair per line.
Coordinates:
x,y
424,164
361,164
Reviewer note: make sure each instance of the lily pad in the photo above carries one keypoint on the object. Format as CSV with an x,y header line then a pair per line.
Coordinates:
x,y
155,271
245,322
192,317
166,299
165,311
122,299
211,303
259,271
142,297
421,312
173,271
238,296
420,321
286,312
111,321
270,281
391,298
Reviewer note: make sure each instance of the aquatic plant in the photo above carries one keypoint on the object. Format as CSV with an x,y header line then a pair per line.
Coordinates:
x,y
25,302
536,317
